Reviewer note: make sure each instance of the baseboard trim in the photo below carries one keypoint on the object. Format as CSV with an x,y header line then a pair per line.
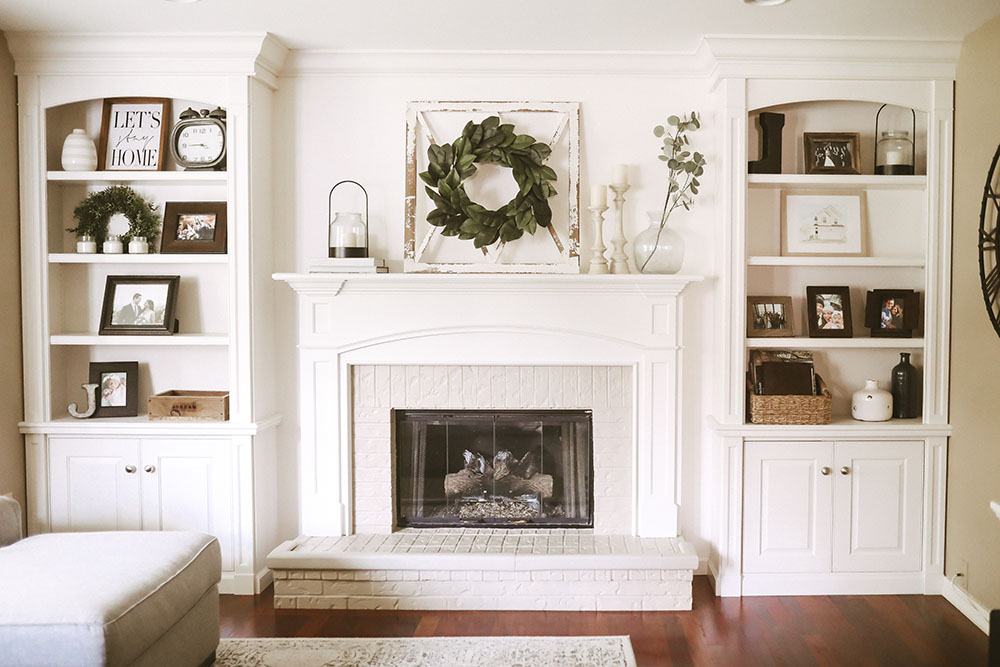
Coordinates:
x,y
968,605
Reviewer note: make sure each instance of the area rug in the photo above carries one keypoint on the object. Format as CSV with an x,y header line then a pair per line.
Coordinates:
x,y
610,651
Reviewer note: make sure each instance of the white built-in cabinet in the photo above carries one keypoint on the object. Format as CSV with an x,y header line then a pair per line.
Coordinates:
x,y
131,473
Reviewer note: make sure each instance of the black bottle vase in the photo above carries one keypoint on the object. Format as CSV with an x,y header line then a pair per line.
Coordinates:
x,y
905,384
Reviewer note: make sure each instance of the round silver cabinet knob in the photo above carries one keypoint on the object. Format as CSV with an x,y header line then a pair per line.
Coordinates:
x,y
845,471
150,468
824,470
130,469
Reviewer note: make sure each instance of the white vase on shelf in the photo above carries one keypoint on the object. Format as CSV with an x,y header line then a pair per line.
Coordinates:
x,y
79,152
871,404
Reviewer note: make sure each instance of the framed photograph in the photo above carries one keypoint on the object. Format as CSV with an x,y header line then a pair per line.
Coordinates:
x,y
832,152
117,388
769,316
139,305
134,134
892,313
194,226
828,310
823,223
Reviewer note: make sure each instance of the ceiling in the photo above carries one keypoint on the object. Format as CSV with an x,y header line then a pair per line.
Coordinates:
x,y
642,25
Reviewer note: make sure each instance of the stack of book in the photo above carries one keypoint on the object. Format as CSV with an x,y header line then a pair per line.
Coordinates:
x,y
782,373
348,265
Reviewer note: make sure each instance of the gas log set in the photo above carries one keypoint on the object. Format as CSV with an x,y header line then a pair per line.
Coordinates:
x,y
503,487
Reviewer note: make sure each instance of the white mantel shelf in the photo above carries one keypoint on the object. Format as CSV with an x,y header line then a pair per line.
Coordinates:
x,y
478,283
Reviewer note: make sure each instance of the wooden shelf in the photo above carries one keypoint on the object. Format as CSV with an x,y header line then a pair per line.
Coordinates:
x,y
842,427
179,340
860,343
824,181
863,262
137,177
141,425
151,258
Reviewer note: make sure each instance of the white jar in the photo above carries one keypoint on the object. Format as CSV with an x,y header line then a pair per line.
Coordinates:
x,y
138,246
113,246
871,404
78,152
86,245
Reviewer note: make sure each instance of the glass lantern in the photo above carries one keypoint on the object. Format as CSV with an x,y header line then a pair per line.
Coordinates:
x,y
894,147
348,232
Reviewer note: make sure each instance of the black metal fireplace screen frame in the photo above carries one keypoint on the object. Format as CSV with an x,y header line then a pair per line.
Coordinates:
x,y
405,492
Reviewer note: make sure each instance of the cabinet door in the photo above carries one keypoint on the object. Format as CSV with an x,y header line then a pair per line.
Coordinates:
x,y
786,510
91,486
186,485
878,497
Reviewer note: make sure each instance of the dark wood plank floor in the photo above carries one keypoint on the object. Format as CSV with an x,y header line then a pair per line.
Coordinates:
x,y
821,630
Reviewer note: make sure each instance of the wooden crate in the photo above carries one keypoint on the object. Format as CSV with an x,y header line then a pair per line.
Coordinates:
x,y
182,405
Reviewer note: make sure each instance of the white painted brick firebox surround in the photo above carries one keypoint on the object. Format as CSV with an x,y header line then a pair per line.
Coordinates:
x,y
607,391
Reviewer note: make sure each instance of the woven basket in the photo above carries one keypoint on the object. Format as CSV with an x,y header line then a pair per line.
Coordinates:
x,y
792,409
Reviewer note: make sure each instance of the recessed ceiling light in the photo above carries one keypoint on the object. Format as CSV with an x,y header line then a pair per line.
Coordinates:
x,y
765,3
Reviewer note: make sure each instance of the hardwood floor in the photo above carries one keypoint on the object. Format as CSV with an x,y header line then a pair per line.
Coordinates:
x,y
821,630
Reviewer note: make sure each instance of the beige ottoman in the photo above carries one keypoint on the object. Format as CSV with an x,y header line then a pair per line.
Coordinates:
x,y
122,598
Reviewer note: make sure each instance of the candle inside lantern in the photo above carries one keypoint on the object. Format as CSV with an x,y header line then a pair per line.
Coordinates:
x,y
619,175
896,157
598,195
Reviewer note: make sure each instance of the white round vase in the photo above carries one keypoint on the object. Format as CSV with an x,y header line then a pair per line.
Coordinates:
x,y
871,404
78,152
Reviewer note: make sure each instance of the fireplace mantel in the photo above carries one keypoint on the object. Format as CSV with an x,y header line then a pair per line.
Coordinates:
x,y
348,320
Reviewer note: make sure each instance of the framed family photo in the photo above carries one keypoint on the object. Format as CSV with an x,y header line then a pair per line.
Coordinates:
x,y
769,316
832,152
194,227
828,310
823,223
139,305
892,313
117,388
133,134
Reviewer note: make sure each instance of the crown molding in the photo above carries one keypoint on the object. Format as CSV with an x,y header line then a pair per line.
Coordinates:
x,y
259,55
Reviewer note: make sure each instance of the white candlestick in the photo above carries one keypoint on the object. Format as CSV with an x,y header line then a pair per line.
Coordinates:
x,y
619,175
598,196
598,264
619,260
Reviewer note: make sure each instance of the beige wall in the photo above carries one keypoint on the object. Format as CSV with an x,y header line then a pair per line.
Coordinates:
x,y
974,458
11,447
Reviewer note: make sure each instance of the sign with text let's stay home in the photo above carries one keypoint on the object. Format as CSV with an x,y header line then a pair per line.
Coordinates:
x,y
134,134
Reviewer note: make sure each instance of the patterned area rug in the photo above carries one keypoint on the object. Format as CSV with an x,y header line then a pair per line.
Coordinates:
x,y
611,651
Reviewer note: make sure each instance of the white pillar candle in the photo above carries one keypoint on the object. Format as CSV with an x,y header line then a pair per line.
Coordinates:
x,y
598,195
895,157
619,175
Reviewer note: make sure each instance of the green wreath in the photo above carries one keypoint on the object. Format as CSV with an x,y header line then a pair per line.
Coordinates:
x,y
489,142
94,212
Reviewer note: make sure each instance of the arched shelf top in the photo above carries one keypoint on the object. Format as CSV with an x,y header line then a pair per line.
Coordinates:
x,y
68,104
762,95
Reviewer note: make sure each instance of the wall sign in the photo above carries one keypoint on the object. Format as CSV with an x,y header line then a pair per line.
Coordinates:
x,y
133,134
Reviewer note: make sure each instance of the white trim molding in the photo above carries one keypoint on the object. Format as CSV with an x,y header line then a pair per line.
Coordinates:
x,y
971,608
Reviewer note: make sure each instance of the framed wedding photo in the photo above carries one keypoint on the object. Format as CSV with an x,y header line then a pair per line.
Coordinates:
x,y
139,305
828,310
195,227
117,388
820,223
832,152
769,316
892,313
133,134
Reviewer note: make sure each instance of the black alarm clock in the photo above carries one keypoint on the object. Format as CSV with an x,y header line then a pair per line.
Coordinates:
x,y
198,140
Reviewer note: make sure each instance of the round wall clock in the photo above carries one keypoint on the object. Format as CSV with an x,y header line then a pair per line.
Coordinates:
x,y
198,140
989,242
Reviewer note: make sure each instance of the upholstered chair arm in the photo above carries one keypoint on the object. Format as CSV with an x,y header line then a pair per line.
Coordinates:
x,y
10,521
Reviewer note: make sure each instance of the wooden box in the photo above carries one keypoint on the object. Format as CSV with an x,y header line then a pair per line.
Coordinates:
x,y
183,405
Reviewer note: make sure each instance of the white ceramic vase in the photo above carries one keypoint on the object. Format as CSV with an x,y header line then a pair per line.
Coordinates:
x,y
871,404
78,152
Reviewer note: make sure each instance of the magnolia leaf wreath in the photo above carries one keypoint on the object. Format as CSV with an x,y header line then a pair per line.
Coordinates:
x,y
489,142
94,212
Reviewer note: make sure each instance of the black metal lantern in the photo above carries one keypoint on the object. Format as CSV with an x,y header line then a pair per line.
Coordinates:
x,y
347,234
894,148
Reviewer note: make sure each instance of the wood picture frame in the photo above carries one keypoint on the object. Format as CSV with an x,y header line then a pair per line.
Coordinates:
x,y
832,152
139,305
892,313
554,249
194,227
134,134
827,223
117,388
828,311
769,316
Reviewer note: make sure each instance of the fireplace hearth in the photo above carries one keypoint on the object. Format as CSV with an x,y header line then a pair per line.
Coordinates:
x,y
494,468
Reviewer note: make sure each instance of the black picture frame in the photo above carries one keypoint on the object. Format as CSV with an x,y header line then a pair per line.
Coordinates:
x,y
882,318
144,294
839,149
828,311
114,399
180,234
